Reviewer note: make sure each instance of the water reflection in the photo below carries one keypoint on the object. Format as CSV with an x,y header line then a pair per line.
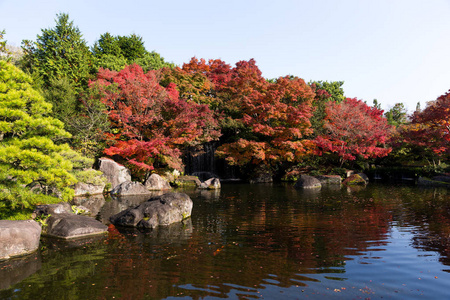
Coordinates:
x,y
15,270
266,241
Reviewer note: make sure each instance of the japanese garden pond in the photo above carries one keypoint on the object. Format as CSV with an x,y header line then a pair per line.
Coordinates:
x,y
257,241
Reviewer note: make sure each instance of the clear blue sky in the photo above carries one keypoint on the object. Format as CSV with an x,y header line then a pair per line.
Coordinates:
x,y
391,50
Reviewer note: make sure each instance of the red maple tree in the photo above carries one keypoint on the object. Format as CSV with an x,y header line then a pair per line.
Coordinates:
x,y
354,129
151,124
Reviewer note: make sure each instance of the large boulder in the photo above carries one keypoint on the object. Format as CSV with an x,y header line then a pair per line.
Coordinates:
x,y
129,188
18,238
157,183
210,184
115,173
70,226
162,210
307,182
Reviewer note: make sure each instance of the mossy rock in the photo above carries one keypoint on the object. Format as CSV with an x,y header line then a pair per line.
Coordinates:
x,y
187,181
354,179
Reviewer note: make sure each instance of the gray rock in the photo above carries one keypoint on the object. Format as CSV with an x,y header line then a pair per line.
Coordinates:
x,y
130,188
307,182
92,202
70,226
162,210
82,188
157,183
114,172
210,184
18,238
51,209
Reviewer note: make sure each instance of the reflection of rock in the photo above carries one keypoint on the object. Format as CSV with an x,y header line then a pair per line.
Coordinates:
x,y
172,233
129,188
69,226
210,194
62,244
15,270
114,172
18,238
307,182
163,210
210,184
157,183
93,203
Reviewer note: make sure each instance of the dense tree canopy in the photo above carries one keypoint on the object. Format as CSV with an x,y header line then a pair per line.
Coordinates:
x,y
150,124
430,128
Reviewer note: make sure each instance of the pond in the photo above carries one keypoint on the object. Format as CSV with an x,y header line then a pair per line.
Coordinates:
x,y
265,241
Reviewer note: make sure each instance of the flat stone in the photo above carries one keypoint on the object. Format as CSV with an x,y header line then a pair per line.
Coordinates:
x,y
70,226
18,238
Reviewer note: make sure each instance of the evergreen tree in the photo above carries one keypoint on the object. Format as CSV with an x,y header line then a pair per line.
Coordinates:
x,y
32,162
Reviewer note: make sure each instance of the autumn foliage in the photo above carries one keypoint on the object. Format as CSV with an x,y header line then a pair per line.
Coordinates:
x,y
151,124
430,128
354,129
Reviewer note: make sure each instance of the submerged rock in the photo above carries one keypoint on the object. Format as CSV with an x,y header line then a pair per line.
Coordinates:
x,y
18,238
161,210
307,182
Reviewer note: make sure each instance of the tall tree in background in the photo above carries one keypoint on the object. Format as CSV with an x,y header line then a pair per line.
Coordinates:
x,y
397,115
324,92
353,129
115,52
59,52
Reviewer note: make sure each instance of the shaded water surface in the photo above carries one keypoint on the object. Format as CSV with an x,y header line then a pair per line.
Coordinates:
x,y
257,241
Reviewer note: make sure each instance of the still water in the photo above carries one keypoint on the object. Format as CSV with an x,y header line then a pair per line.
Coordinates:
x,y
256,241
